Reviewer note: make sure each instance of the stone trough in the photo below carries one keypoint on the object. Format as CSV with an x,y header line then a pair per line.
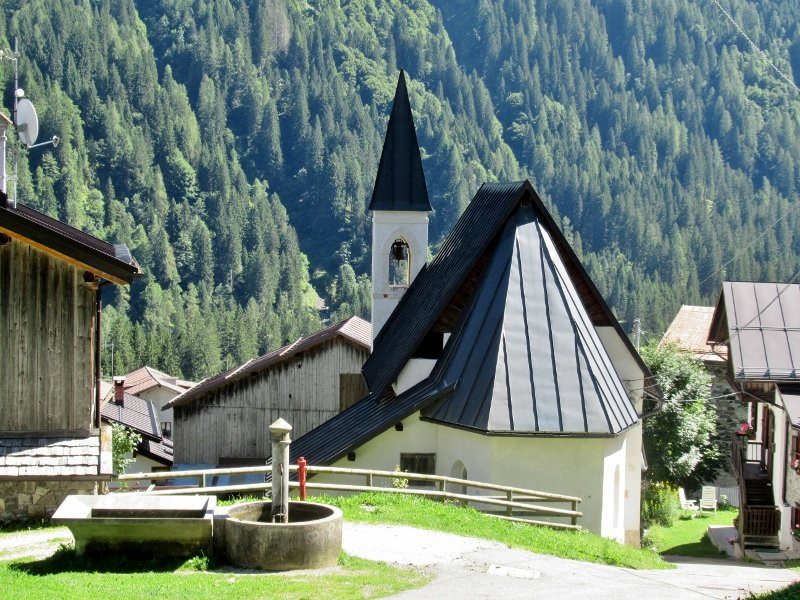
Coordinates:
x,y
160,526
311,539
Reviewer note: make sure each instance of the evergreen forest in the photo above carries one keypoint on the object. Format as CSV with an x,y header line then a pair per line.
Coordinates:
x,y
233,144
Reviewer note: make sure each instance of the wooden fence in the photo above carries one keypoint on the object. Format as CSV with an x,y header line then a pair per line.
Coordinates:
x,y
511,503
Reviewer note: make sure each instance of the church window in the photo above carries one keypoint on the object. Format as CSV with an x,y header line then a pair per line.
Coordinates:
x,y
399,263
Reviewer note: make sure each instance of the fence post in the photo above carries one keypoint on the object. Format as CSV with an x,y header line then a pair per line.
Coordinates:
x,y
369,479
301,476
574,519
202,481
510,498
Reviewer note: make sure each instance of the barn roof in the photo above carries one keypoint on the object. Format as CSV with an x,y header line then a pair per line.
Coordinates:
x,y
400,182
110,261
354,330
146,378
513,293
760,322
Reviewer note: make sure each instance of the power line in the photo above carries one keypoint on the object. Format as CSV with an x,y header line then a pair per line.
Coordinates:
x,y
763,310
756,48
752,243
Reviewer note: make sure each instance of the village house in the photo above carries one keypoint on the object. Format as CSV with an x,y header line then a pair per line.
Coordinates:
x,y
689,331
759,324
154,451
51,281
498,361
224,420
159,388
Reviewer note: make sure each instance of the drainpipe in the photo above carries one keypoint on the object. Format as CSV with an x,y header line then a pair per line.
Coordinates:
x,y
97,342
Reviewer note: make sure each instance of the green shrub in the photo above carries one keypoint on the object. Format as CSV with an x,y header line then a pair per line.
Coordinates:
x,y
660,505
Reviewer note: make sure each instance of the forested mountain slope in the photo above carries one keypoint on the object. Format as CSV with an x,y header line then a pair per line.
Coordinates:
x,y
219,138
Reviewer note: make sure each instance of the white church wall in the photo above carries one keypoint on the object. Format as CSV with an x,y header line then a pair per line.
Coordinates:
x,y
582,467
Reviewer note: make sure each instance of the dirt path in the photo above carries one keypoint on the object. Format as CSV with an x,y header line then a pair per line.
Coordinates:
x,y
36,544
474,568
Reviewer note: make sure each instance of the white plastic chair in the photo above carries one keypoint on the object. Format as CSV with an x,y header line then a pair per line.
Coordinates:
x,y
708,500
686,504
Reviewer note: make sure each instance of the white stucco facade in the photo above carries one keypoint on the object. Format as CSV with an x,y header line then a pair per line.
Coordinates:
x,y
159,396
592,468
388,226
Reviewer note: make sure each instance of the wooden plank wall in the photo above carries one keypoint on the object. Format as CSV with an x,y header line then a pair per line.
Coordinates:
x,y
233,421
46,342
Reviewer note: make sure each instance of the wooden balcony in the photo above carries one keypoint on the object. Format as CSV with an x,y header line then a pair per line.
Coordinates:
x,y
759,517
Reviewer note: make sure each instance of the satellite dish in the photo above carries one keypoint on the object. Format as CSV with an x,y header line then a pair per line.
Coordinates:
x,y
27,122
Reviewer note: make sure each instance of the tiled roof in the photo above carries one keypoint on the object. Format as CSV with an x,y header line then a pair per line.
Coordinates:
x,y
49,456
761,324
146,378
355,330
31,226
137,413
689,330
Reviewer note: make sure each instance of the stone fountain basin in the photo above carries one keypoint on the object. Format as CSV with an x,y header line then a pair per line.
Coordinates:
x,y
312,539
161,526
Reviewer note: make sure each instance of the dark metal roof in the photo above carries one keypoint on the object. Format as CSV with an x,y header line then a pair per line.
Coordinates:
x,y
527,358
136,413
761,324
113,261
158,450
400,182
355,330
434,286
477,234
437,283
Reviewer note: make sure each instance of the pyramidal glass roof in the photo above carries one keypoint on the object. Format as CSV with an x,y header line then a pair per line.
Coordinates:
x,y
526,357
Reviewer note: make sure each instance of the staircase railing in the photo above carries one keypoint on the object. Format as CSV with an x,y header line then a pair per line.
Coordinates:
x,y
754,520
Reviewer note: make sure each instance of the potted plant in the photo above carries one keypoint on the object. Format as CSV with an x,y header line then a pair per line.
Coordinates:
x,y
746,430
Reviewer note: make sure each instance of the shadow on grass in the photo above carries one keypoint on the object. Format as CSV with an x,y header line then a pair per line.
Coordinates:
x,y
66,560
702,549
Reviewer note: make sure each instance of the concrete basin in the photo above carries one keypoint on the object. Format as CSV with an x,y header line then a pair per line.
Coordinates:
x,y
160,526
311,539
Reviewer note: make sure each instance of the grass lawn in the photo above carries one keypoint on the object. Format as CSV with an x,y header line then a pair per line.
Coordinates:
x,y
66,576
688,537
374,507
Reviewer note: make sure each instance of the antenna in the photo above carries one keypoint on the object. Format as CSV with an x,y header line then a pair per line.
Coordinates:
x,y
25,120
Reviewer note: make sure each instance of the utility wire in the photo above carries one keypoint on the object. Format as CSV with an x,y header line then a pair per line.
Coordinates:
x,y
752,242
756,48
763,310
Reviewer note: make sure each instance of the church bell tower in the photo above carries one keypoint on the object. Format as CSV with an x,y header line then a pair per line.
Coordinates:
x,y
400,210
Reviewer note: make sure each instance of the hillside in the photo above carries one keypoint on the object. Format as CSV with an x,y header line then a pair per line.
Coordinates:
x,y
232,145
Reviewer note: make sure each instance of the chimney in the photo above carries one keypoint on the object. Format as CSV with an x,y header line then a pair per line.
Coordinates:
x,y
119,391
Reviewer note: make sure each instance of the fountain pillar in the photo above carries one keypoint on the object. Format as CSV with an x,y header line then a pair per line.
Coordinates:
x,y
279,432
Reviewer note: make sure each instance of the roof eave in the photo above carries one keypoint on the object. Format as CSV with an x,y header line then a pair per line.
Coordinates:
x,y
75,253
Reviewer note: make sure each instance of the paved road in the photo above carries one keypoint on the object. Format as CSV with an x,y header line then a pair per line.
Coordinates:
x,y
473,568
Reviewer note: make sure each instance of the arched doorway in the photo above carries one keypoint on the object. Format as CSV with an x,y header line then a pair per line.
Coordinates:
x,y
459,471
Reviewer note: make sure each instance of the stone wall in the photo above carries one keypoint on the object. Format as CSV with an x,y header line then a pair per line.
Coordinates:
x,y
21,500
731,412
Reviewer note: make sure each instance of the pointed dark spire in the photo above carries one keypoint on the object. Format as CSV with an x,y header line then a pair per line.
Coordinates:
x,y
400,183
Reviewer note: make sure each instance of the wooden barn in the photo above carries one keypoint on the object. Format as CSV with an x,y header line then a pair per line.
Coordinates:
x,y
224,419
51,279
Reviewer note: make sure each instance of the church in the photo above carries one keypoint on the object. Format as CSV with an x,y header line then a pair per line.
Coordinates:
x,y
498,360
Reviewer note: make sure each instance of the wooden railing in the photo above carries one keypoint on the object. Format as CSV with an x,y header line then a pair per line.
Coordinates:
x,y
754,520
510,502
761,521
